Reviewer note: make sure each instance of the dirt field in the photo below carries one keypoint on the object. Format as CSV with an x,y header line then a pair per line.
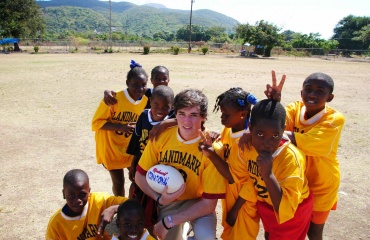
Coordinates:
x,y
47,103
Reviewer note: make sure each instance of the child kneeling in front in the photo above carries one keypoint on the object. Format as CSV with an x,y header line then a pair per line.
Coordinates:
x,y
130,221
277,169
85,214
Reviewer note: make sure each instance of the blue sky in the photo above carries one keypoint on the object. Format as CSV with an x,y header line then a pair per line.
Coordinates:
x,y
313,16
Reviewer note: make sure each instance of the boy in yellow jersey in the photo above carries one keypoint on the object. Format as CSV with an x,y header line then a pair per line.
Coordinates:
x,y
277,169
113,126
315,128
85,214
177,146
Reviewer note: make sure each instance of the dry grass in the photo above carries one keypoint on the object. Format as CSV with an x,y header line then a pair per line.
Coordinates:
x,y
47,103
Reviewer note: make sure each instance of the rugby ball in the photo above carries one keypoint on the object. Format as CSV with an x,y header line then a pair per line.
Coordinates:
x,y
162,175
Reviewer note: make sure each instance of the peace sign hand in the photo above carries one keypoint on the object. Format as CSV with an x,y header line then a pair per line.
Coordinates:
x,y
274,92
205,146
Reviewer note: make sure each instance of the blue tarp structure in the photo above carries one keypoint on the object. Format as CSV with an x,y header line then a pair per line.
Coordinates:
x,y
8,40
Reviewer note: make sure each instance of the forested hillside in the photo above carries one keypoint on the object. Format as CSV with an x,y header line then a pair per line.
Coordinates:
x,y
90,15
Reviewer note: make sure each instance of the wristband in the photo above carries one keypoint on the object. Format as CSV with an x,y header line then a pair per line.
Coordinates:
x,y
159,197
164,225
170,221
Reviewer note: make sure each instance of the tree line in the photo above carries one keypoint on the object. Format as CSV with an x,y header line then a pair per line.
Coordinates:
x,y
351,32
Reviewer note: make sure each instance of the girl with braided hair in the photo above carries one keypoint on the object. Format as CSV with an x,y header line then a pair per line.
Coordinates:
x,y
239,214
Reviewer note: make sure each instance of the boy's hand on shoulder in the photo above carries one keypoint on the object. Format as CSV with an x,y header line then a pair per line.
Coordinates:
x,y
106,217
274,91
245,141
264,163
160,128
110,97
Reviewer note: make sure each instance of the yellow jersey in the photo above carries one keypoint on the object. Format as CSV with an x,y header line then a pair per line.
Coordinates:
x,y
111,146
318,137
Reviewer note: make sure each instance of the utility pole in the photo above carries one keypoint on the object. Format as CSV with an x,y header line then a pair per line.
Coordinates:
x,y
191,14
110,24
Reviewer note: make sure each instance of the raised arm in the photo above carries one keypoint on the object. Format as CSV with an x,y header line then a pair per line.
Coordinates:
x,y
274,91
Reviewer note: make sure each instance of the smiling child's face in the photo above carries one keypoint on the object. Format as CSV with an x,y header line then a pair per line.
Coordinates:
x,y
137,86
131,224
315,94
160,78
160,107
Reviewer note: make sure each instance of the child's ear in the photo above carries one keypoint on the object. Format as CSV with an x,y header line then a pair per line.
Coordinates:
x,y
245,113
330,97
250,127
64,197
117,223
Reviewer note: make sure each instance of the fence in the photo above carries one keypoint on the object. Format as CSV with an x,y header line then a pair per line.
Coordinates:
x,y
88,46
67,46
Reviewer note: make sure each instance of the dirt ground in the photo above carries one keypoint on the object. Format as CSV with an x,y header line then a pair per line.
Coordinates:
x,y
48,101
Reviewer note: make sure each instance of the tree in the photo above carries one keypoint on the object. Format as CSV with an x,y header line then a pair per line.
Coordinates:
x,y
197,33
363,35
346,30
217,34
261,34
20,19
329,45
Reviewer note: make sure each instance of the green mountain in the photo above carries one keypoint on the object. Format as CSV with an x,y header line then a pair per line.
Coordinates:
x,y
85,15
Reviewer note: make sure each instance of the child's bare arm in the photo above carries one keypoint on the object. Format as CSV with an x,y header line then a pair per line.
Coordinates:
x,y
233,213
222,166
132,168
128,128
264,163
106,217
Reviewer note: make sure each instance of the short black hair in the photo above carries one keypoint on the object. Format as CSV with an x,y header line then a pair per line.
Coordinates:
x,y
130,204
191,98
268,109
75,175
164,92
322,77
237,97
157,69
